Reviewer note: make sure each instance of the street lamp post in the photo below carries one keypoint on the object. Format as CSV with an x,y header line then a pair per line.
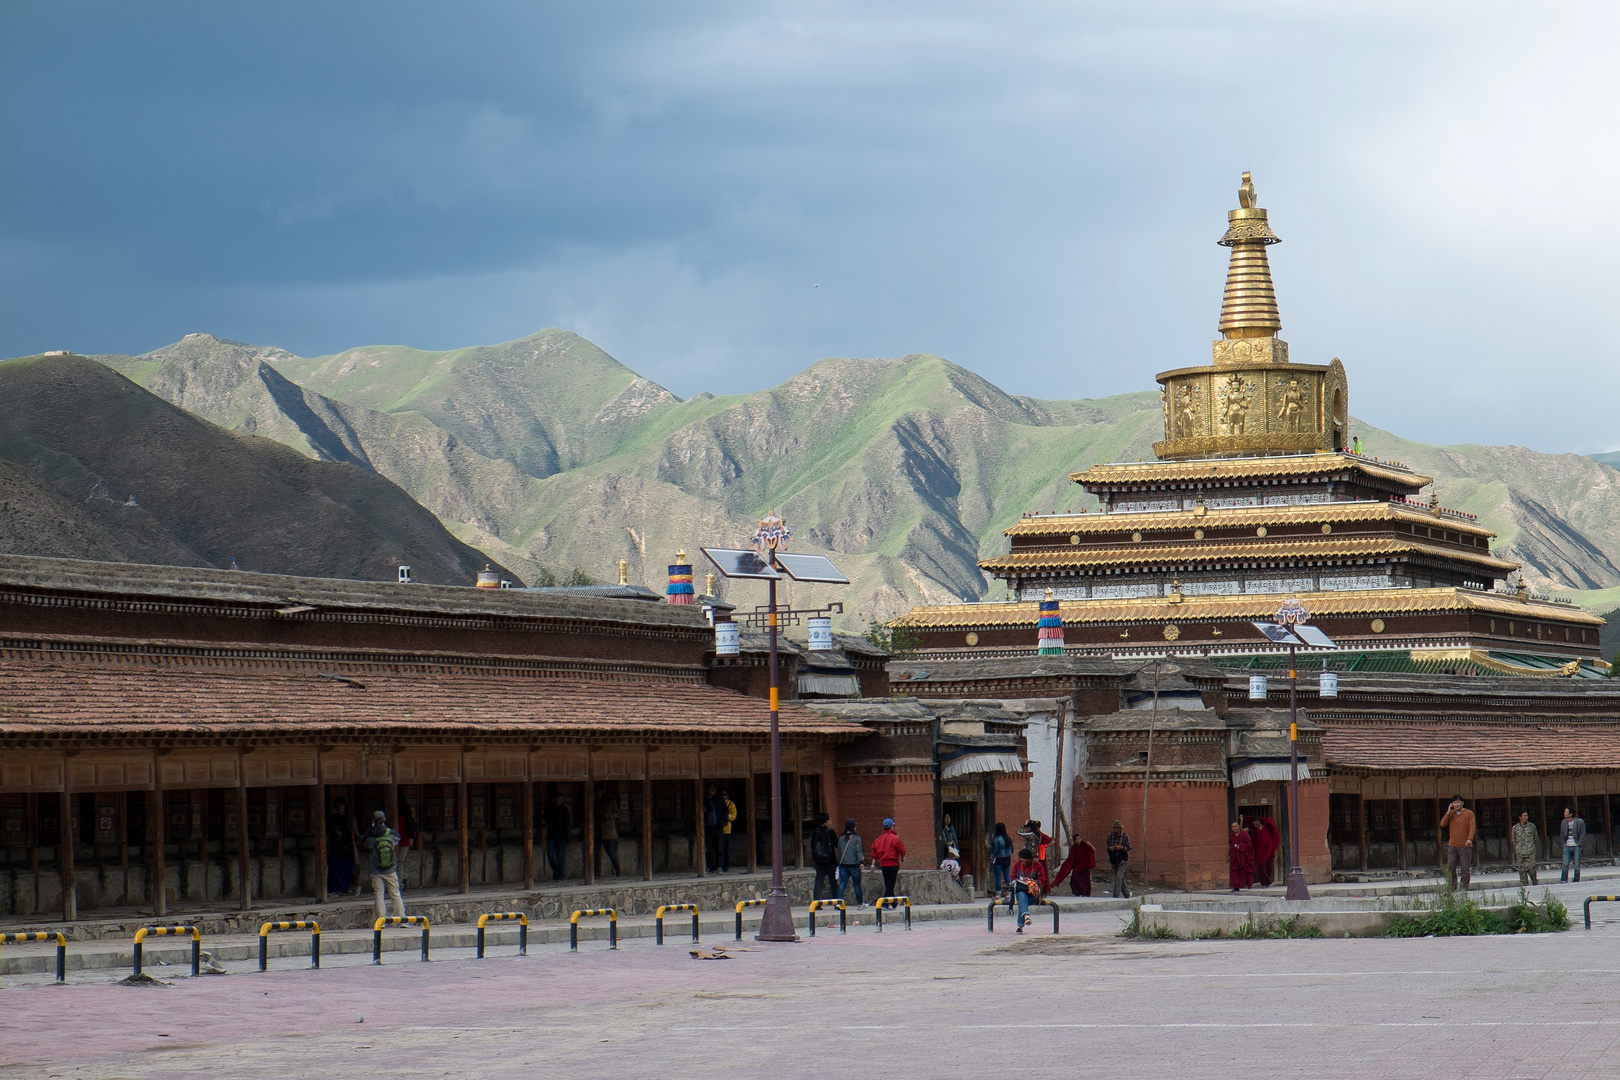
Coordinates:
x,y
1292,614
769,562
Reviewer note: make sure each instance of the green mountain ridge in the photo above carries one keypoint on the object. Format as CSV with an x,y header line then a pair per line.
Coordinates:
x,y
551,455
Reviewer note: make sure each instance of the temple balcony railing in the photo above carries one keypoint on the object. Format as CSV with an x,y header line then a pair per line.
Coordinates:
x,y
1429,508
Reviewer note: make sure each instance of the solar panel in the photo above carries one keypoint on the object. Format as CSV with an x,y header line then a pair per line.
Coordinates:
x,y
740,563
1276,633
1314,637
811,568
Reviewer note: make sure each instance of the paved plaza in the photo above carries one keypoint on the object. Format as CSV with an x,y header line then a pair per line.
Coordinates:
x,y
944,1000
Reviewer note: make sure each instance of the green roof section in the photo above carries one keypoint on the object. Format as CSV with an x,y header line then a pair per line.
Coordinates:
x,y
1403,662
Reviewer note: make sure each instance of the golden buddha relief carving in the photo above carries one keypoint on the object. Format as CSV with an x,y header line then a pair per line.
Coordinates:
x,y
1188,398
1293,411
1234,397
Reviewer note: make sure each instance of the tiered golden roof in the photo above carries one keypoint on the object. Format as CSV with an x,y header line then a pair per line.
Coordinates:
x,y
1291,551
1249,308
1179,521
1250,468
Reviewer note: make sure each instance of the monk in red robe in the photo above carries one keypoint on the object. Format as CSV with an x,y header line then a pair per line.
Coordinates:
x,y
1263,831
1077,868
1239,858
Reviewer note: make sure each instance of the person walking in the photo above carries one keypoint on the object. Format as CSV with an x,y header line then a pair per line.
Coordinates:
x,y
824,854
1263,834
382,845
340,851
607,826
888,851
1459,826
1572,830
1524,849
558,822
1030,884
1001,853
1118,846
1077,868
851,854
1239,858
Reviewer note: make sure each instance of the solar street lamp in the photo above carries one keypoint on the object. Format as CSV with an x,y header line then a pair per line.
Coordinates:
x,y
1290,629
769,563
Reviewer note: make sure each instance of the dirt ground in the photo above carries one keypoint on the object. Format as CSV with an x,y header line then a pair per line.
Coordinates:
x,y
944,1000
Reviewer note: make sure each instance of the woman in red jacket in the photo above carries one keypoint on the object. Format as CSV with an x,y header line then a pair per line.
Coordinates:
x,y
1030,883
1077,868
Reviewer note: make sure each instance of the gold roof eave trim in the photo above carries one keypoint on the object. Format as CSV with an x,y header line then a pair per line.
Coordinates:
x,y
1243,467
1060,525
1257,551
1245,607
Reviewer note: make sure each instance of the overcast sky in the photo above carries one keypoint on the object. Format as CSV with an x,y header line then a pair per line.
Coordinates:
x,y
1031,190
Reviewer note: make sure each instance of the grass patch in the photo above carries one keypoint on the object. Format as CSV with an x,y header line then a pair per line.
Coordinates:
x,y
1459,915
1291,927
1137,931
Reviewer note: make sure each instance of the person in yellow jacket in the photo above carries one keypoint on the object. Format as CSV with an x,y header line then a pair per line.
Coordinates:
x,y
721,813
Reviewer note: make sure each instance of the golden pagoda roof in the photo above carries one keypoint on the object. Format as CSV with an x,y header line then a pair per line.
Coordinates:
x,y
1249,306
1244,468
1147,521
1245,608
1348,547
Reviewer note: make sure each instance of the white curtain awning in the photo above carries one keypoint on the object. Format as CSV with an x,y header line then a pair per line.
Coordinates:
x,y
981,763
831,685
1279,770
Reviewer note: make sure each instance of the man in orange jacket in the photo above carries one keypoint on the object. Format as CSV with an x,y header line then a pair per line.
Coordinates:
x,y
888,850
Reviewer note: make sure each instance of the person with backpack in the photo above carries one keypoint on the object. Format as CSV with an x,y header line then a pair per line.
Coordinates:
x,y
382,844
851,854
1030,884
1119,856
824,854
1001,853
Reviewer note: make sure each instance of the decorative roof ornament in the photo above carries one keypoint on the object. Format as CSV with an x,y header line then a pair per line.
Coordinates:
x,y
1049,630
680,580
624,571
1291,613
1249,308
772,535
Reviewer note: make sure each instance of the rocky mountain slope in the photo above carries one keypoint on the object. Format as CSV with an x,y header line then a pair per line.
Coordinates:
x,y
554,457
92,466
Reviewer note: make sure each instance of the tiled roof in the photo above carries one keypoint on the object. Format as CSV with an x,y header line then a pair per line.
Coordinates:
x,y
1061,526
1472,747
315,596
88,699
1218,550
1246,607
1147,472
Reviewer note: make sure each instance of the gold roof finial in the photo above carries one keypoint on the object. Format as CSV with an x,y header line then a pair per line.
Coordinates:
x,y
1249,308
624,571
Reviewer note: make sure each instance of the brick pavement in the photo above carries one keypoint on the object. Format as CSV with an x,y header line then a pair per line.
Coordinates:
x,y
944,1000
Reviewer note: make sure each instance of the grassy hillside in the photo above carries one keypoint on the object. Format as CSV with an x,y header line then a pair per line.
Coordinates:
x,y
105,469
554,457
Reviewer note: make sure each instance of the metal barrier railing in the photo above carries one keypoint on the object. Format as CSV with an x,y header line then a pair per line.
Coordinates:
x,y
314,929
891,901
843,914
745,904
523,929
397,920
45,935
658,922
990,913
1587,907
613,927
164,931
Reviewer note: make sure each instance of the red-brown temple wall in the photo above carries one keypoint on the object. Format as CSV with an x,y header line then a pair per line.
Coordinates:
x,y
905,796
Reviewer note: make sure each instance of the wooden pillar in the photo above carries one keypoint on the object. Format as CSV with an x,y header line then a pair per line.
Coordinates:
x,y
463,848
793,815
317,822
123,838
701,846
748,817
587,825
244,859
646,814
1361,821
1400,810
64,854
1608,819
528,819
157,826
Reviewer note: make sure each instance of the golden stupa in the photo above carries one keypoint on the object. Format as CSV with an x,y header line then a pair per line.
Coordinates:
x,y
1251,400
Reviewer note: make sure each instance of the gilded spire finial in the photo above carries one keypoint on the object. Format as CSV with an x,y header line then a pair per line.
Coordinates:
x,y
1249,308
